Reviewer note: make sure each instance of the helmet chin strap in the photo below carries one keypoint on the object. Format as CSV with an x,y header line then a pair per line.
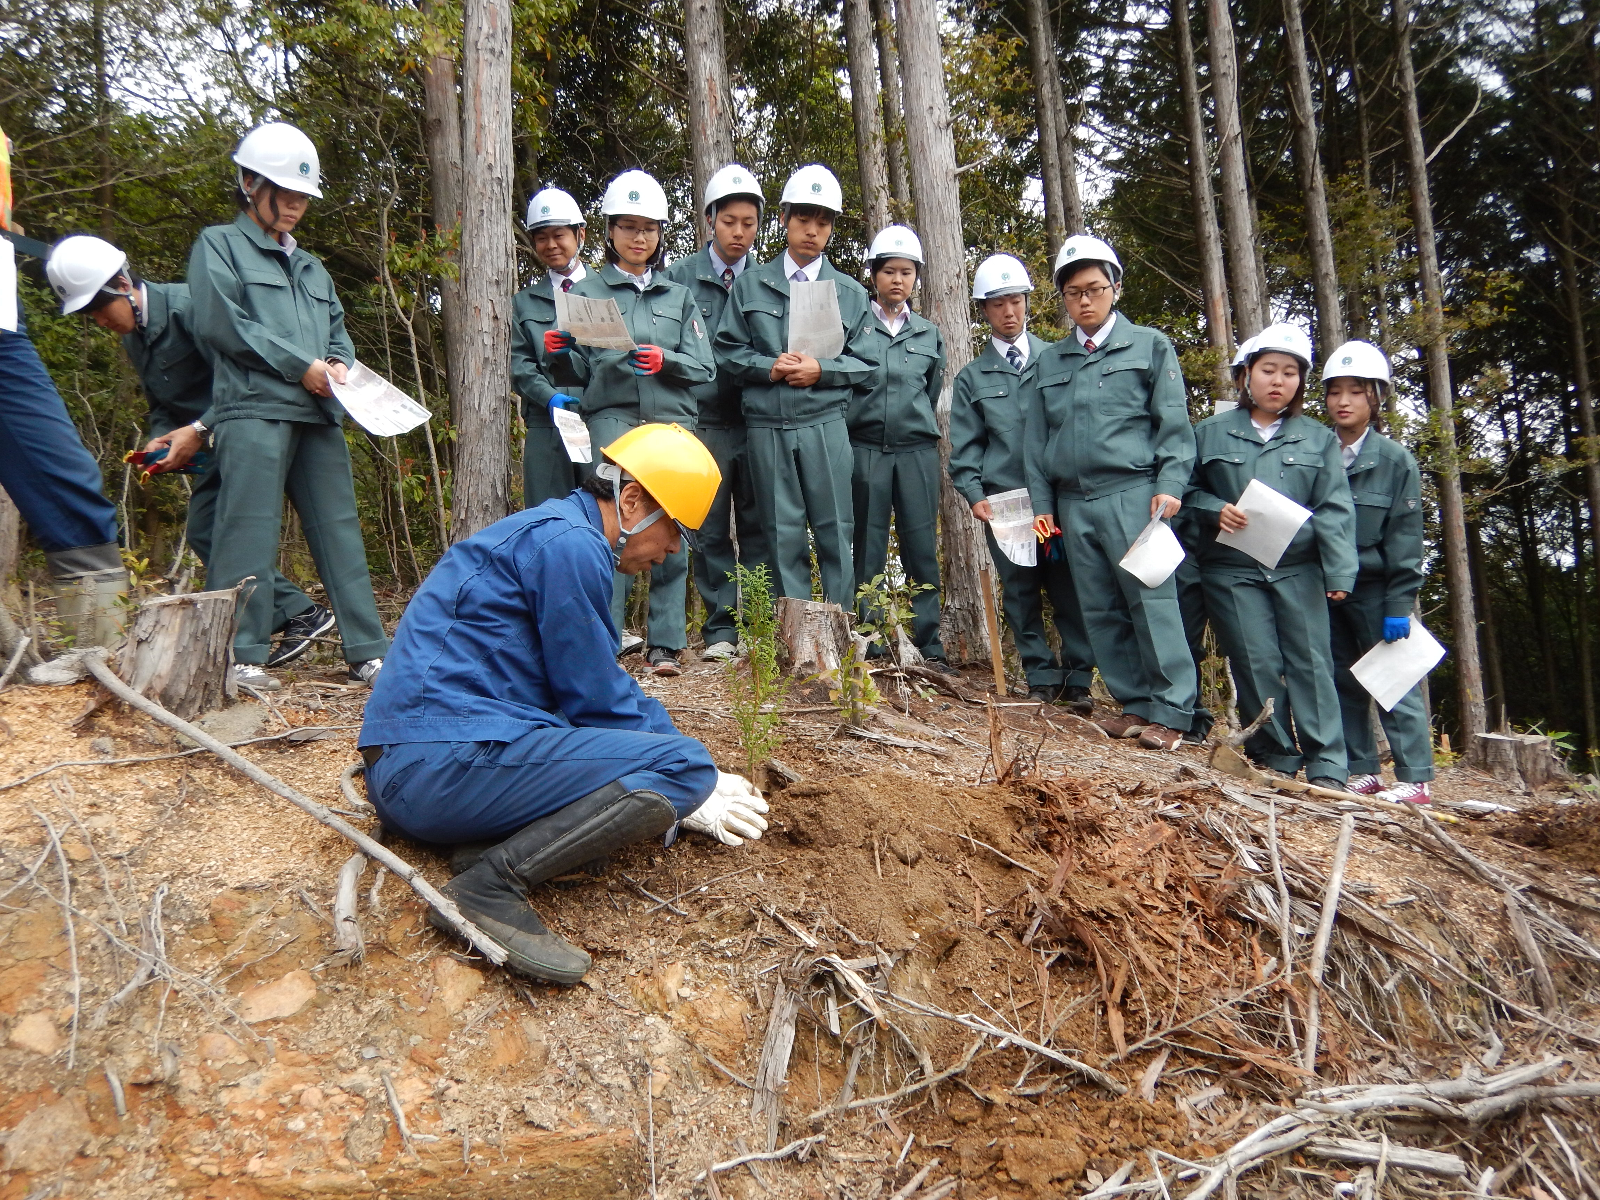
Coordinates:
x,y
617,477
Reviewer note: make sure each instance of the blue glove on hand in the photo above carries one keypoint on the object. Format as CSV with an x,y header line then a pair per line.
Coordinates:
x,y
1395,628
562,400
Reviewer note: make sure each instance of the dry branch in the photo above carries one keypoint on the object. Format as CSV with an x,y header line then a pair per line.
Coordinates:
x,y
96,664
800,1148
346,927
773,1066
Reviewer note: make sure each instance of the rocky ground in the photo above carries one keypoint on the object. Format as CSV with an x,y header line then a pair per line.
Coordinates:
x,y
177,1021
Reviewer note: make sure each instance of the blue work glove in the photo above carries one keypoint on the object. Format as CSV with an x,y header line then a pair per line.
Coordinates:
x,y
562,400
558,341
1395,628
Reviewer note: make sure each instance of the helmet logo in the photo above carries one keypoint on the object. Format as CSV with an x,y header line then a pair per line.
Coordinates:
x,y
305,168
633,196
738,179
817,187
1346,361
1071,250
1005,276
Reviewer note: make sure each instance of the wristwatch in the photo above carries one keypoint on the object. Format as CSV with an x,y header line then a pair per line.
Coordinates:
x,y
199,427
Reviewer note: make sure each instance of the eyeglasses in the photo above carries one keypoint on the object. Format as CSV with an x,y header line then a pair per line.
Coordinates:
x,y
1093,293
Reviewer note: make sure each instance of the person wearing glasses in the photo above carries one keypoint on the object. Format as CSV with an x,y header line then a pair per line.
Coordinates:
x,y
1109,449
656,382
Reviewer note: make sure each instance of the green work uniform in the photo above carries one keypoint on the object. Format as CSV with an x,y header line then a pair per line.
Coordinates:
x,y
986,428
894,440
799,445
1106,432
262,315
1273,622
1387,489
177,385
732,532
547,470
661,314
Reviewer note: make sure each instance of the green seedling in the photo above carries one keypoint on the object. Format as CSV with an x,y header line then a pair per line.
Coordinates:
x,y
757,685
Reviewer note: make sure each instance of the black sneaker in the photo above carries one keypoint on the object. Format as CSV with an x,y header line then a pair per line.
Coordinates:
x,y
1045,693
298,633
1076,699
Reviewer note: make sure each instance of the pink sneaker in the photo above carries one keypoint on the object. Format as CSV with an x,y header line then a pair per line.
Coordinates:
x,y
1408,793
1364,785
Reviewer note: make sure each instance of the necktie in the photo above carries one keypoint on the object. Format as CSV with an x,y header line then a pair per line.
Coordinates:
x,y
727,278
1014,357
798,277
566,285
1088,344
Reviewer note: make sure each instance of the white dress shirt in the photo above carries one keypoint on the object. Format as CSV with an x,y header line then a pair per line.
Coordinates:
x,y
893,325
575,275
1353,451
1100,335
810,270
719,265
1265,432
1020,346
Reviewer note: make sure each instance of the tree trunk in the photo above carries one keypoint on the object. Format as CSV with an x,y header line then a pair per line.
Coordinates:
x,y
815,635
1213,282
488,271
1308,156
710,116
179,649
1529,759
1058,169
1249,287
10,542
102,97
894,125
866,106
441,129
1591,737
1494,676
945,301
1582,386
1452,514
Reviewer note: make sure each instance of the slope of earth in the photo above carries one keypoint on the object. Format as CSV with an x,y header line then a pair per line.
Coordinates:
x,y
1085,958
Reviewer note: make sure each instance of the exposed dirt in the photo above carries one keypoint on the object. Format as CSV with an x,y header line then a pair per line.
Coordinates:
x,y
1089,907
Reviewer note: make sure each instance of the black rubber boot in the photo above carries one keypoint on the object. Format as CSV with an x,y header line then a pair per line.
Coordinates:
x,y
467,855
1077,700
492,893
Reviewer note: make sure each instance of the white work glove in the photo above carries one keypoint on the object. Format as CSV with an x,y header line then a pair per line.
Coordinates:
x,y
731,813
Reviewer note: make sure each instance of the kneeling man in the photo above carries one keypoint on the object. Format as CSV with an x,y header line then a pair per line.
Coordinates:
x,y
503,717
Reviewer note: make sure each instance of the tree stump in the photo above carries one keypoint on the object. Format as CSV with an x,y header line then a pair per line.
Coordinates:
x,y
815,635
179,648
1529,759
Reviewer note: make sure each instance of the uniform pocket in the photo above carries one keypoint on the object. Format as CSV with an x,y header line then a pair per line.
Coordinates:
x,y
1121,391
1001,411
1372,513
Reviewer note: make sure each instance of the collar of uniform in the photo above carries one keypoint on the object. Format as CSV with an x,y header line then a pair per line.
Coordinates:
x,y
812,270
902,323
1022,344
1102,335
1072,344
153,308
262,238
578,273
616,276
718,265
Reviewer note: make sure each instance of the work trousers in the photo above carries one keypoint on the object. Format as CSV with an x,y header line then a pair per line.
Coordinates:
x,y
1192,606
1358,627
903,484
669,583
46,470
803,478
1275,632
732,511
1019,596
260,462
548,472
1135,632
287,600
476,791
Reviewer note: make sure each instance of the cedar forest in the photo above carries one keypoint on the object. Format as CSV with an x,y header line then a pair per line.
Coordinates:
x,y
1246,160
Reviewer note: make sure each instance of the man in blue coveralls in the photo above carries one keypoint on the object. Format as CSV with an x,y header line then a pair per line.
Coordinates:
x,y
502,715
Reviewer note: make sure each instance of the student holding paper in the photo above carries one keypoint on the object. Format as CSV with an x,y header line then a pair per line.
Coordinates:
x,y
986,428
894,436
652,384
1387,489
555,222
268,318
1109,448
1272,620
794,400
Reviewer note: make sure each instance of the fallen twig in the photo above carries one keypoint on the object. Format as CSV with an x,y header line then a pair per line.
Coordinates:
x,y
399,1115
800,1147
773,1066
915,1181
346,928
16,661
65,902
649,895
1001,853
96,664
888,739
927,1081
1432,1162
1319,946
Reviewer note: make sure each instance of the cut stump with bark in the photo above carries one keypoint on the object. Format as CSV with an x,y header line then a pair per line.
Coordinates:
x,y
815,635
178,650
1530,759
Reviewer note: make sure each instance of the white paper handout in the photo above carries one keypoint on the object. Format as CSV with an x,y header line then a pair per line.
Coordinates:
x,y
815,327
8,285
1274,520
1154,555
596,323
1391,669
1012,526
574,434
377,405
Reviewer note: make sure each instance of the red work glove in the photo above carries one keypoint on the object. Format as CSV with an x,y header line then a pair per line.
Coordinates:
x,y
558,341
647,360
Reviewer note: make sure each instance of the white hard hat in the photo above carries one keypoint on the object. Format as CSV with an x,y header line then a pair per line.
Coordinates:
x,y
1000,275
1081,248
896,241
814,185
634,194
552,206
282,154
79,268
1362,360
733,180
1283,338
1242,353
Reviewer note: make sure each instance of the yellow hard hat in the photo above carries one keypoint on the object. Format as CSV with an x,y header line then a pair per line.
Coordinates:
x,y
672,465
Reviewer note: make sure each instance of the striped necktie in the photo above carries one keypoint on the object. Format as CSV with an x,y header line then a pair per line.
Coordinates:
x,y
727,278
1014,357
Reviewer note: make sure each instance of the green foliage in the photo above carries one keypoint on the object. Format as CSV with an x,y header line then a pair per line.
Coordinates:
x,y
757,685
885,604
850,686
